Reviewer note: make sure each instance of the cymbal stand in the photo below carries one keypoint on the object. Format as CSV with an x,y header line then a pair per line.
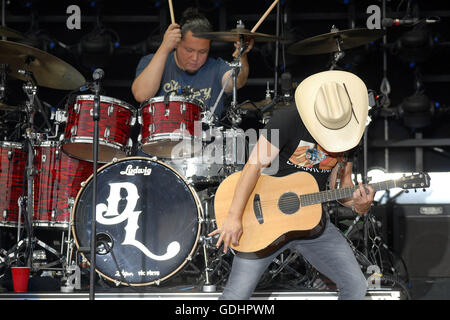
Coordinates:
x,y
32,138
206,242
338,55
3,74
233,113
30,89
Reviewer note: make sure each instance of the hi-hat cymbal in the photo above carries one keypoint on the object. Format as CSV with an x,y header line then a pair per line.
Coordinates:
x,y
335,41
253,105
235,35
7,107
48,70
10,33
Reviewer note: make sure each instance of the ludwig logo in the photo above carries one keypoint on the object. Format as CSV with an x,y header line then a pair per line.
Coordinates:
x,y
130,171
109,215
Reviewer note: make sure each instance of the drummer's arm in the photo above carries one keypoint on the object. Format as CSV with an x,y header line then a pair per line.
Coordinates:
x,y
243,72
148,82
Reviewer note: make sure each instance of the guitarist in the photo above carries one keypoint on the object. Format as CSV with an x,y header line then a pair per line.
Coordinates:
x,y
327,120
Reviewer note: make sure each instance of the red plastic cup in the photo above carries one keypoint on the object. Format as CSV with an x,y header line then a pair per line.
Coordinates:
x,y
20,277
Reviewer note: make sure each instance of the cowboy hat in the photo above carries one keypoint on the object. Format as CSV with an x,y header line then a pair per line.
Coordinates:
x,y
333,105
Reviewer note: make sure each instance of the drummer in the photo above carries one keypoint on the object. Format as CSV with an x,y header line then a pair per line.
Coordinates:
x,y
182,61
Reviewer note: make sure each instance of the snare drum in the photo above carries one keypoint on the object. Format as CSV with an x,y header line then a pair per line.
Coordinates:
x,y
116,119
13,160
224,152
171,130
147,215
56,184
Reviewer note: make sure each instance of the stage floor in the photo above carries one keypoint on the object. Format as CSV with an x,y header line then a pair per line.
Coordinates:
x,y
196,294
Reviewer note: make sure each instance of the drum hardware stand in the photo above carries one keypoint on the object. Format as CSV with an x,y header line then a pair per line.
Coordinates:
x,y
207,286
338,55
233,114
97,76
30,89
4,69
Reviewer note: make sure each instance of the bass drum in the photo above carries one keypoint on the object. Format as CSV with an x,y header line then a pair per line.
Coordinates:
x,y
148,221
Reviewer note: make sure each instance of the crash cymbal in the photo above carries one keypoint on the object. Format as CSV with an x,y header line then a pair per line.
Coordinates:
x,y
48,70
10,33
326,43
235,35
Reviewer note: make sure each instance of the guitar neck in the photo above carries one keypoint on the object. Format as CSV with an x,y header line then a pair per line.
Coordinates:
x,y
336,194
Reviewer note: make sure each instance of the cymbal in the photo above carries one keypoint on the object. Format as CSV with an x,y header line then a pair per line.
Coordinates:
x,y
253,105
235,35
7,107
326,43
10,33
48,70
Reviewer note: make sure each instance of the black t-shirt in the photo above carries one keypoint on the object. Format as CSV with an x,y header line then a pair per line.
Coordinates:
x,y
298,149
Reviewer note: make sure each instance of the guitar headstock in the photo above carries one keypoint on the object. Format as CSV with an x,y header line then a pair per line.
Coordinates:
x,y
414,181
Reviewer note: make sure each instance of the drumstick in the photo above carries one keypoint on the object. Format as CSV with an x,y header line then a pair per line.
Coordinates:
x,y
172,17
264,16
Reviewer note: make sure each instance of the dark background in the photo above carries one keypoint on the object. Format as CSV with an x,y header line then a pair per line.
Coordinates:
x,y
134,28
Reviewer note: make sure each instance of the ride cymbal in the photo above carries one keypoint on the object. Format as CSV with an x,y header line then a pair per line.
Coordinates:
x,y
48,70
335,41
235,35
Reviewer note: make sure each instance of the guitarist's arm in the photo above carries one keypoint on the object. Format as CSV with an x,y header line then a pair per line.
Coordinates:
x,y
361,200
261,157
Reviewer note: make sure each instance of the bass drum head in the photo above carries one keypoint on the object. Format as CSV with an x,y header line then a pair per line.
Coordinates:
x,y
147,218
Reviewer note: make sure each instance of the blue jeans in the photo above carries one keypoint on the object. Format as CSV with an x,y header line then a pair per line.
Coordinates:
x,y
329,253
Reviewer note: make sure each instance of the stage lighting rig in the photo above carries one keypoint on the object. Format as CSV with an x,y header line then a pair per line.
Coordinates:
x,y
97,47
416,111
415,45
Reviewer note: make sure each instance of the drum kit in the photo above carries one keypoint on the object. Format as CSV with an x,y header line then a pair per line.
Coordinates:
x,y
153,213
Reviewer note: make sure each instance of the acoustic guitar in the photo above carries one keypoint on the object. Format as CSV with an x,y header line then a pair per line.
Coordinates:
x,y
280,209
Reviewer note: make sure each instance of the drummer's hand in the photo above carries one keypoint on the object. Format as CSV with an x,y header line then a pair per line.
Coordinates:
x,y
248,43
230,232
172,38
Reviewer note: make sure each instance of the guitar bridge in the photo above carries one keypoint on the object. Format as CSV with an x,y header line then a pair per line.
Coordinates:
x,y
257,209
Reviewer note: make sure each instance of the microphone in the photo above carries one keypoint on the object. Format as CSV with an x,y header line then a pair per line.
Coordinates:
x,y
389,22
98,74
186,90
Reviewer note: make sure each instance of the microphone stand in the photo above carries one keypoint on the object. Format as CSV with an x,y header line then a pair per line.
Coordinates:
x,y
96,118
93,245
277,45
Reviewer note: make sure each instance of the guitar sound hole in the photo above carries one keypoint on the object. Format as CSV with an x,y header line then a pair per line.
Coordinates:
x,y
289,203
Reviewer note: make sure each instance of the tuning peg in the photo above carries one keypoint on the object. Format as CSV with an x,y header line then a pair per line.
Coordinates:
x,y
406,191
415,190
424,190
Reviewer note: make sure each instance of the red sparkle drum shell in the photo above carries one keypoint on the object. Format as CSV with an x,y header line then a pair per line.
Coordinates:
x,y
13,160
56,184
116,119
163,127
149,216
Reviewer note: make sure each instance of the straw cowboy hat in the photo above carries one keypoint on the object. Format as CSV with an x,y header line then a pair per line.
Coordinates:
x,y
333,106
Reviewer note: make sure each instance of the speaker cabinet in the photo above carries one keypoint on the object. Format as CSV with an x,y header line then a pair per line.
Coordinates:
x,y
421,236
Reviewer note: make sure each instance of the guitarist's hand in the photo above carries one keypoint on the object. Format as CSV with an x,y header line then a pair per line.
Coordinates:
x,y
230,232
363,198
